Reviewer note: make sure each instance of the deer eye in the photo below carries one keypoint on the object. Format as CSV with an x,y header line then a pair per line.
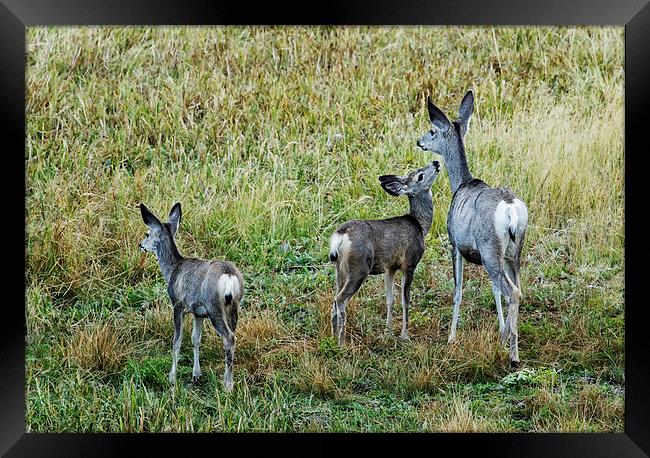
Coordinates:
x,y
420,177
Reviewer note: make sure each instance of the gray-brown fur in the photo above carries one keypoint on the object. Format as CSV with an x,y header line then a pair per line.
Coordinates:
x,y
206,289
486,225
370,247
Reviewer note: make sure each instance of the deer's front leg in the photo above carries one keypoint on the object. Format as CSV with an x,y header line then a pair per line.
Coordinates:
x,y
178,337
406,301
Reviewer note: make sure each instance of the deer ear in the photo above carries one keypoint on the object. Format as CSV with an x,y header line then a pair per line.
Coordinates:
x,y
175,217
437,117
392,184
149,218
465,112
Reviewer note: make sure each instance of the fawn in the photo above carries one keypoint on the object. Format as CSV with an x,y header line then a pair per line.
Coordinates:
x,y
207,289
370,247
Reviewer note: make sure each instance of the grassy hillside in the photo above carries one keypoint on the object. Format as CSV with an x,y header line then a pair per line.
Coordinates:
x,y
272,137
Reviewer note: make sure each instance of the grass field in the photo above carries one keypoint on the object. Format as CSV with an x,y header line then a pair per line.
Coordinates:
x,y
272,137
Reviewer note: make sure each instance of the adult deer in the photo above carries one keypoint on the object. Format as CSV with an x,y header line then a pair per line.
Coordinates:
x,y
486,225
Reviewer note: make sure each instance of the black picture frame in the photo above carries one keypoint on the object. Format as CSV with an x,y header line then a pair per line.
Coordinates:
x,y
16,15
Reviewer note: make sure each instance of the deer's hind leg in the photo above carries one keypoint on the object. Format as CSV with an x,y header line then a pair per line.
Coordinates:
x,y
511,276
500,275
351,286
197,329
496,291
357,271
340,280
228,337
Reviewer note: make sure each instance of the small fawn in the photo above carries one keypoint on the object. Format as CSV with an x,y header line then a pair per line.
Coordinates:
x,y
207,289
370,247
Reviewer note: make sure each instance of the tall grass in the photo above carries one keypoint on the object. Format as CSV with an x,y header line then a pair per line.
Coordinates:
x,y
270,137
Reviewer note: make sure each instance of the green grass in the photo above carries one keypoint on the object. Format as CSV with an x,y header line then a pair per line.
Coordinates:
x,y
272,137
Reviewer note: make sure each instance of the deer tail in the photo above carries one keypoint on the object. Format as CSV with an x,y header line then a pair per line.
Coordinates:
x,y
514,222
335,244
229,286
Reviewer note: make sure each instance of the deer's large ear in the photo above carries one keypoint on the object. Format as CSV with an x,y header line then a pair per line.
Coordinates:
x,y
175,217
465,112
393,184
437,117
149,218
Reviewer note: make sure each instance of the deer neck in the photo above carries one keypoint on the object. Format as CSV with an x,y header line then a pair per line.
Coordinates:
x,y
456,164
168,258
422,209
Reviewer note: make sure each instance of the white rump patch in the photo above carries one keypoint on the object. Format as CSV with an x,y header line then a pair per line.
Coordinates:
x,y
502,217
511,217
339,244
228,284
522,213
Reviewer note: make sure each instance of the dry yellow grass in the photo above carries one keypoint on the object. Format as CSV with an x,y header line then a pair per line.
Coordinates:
x,y
315,376
98,348
455,416
590,410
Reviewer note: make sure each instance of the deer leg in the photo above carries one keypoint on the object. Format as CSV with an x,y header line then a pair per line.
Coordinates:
x,y
196,341
406,301
511,274
228,337
389,280
500,275
334,315
511,285
178,337
233,315
351,286
513,312
229,347
335,311
497,298
457,261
